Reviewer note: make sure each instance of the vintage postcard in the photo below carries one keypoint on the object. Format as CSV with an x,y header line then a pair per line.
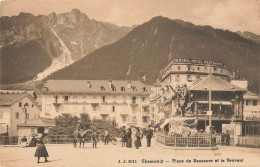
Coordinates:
x,y
122,83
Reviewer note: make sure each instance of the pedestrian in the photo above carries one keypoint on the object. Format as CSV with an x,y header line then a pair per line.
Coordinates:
x,y
123,137
23,142
137,138
149,135
106,136
129,138
33,142
94,139
222,139
41,151
227,138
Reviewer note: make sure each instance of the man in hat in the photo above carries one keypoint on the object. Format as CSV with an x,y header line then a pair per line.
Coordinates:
x,y
137,138
149,135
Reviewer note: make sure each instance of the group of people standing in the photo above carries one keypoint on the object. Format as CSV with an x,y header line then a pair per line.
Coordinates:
x,y
128,135
225,138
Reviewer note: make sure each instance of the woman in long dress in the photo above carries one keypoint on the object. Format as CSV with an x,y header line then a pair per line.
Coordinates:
x,y
41,151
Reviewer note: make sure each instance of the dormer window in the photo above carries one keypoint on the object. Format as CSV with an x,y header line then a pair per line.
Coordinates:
x,y
122,89
144,89
102,88
113,88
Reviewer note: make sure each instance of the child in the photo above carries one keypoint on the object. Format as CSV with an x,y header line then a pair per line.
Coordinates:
x,y
41,151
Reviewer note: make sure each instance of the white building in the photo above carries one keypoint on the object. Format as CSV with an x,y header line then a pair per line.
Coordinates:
x,y
16,109
125,102
251,113
187,71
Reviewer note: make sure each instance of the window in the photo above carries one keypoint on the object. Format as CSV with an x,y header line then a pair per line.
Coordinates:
x,y
197,77
114,89
189,67
94,108
177,78
134,100
179,68
188,77
113,108
145,119
102,88
122,89
134,88
66,98
17,115
144,89
27,115
143,98
123,118
254,102
20,104
56,99
103,99
32,105
247,102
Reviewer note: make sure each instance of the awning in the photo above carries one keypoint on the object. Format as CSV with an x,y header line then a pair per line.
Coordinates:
x,y
216,102
225,103
165,122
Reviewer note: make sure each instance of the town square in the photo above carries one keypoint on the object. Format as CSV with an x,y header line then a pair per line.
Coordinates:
x,y
123,83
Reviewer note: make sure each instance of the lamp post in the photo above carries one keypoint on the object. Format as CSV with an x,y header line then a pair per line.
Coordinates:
x,y
210,112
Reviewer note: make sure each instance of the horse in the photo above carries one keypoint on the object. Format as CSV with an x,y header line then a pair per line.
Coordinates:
x,y
82,135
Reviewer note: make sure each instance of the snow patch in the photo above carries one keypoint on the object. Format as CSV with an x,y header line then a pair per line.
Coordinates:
x,y
58,63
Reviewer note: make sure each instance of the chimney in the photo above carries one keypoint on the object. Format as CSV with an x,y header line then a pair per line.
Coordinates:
x,y
129,84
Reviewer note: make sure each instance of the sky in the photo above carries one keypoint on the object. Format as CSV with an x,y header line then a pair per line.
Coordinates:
x,y
234,15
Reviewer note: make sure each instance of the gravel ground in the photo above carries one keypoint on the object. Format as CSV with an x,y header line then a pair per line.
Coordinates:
x,y
115,155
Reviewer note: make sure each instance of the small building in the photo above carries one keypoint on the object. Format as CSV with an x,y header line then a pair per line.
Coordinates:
x,y
123,102
251,113
35,127
16,109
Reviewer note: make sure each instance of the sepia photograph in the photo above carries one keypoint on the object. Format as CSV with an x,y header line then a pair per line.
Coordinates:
x,y
130,83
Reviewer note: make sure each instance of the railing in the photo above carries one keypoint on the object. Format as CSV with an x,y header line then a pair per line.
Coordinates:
x,y
248,141
181,141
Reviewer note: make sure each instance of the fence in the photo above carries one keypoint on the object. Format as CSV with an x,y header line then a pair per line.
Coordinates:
x,y
8,140
248,141
181,141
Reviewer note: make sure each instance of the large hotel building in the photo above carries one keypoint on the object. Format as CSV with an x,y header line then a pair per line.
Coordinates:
x,y
124,102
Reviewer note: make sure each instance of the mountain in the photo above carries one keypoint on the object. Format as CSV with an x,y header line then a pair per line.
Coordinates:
x,y
250,35
33,47
144,51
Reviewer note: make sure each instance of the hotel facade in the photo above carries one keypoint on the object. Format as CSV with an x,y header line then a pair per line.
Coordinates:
x,y
123,102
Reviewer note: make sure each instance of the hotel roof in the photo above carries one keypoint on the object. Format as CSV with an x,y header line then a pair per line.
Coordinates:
x,y
96,86
217,84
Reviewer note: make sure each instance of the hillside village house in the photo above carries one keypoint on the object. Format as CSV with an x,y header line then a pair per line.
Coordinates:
x,y
16,109
124,102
